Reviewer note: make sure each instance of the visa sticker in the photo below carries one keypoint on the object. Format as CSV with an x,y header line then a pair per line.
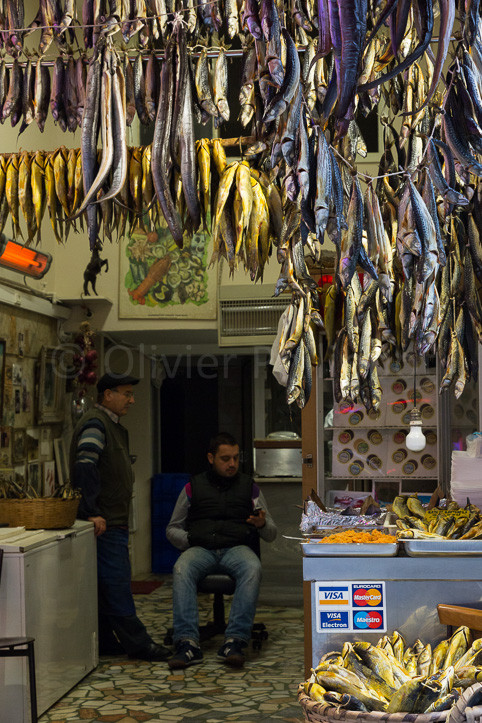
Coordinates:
x,y
333,595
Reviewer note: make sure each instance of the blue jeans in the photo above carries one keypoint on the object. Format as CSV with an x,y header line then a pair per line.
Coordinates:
x,y
195,563
117,611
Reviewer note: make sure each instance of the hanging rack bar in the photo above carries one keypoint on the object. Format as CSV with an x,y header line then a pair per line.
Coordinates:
x,y
159,54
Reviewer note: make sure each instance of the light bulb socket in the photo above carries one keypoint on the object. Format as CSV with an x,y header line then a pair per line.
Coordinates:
x,y
415,417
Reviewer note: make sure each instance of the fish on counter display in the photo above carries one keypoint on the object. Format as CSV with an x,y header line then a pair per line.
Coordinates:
x,y
393,677
414,522
408,253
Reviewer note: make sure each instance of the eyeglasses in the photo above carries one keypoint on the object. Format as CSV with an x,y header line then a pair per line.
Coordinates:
x,y
127,395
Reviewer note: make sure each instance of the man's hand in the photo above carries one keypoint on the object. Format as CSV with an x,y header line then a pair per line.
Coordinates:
x,y
258,520
99,525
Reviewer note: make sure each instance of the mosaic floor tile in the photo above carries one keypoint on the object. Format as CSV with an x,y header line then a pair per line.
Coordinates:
x,y
126,691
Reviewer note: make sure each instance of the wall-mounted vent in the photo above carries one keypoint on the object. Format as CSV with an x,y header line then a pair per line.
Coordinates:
x,y
249,322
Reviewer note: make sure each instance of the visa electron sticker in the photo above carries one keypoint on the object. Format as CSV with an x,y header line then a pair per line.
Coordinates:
x,y
334,620
350,606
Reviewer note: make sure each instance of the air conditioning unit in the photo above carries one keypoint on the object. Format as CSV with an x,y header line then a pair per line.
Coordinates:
x,y
245,319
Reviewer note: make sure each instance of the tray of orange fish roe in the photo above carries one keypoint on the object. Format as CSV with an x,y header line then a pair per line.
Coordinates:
x,y
352,543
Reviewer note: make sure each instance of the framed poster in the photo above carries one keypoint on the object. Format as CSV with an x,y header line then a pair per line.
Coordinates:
x,y
34,475
32,443
159,280
5,446
20,476
50,403
61,462
7,478
19,446
49,478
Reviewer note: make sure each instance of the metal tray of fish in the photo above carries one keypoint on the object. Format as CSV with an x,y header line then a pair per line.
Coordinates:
x,y
442,548
349,549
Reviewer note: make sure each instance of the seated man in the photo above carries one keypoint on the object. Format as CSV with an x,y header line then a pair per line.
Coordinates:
x,y
218,520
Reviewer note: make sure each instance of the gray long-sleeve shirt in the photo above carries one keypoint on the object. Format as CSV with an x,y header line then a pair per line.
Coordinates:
x,y
176,531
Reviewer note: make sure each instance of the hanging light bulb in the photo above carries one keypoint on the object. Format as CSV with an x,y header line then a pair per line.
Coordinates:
x,y
415,439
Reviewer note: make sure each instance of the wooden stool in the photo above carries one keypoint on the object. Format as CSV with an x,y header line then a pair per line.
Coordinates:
x,y
23,648
453,616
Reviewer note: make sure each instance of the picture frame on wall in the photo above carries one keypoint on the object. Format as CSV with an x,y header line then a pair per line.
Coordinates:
x,y
5,446
7,478
61,462
49,478
32,443
19,446
20,475
34,475
51,389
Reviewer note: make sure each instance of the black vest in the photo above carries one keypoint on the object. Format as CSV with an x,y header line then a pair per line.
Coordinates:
x,y
219,510
115,468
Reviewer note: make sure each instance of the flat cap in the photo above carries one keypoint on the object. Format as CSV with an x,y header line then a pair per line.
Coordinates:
x,y
111,381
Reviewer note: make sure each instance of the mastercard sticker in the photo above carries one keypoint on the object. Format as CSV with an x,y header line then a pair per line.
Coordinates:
x,y
367,595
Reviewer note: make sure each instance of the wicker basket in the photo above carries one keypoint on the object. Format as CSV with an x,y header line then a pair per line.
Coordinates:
x,y
41,513
323,713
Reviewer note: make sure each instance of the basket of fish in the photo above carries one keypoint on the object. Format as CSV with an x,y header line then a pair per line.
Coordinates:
x,y
391,681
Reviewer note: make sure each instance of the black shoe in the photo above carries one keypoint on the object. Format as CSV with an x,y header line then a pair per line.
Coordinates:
x,y
232,654
153,652
186,654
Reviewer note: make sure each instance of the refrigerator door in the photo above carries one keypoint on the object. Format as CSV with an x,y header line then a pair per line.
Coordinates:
x,y
48,591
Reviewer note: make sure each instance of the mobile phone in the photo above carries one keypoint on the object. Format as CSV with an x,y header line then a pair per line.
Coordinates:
x,y
256,511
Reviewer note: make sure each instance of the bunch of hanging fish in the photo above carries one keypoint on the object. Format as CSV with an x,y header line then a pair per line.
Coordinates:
x,y
105,116
32,182
26,92
246,209
297,346
53,19
423,243
453,522
393,677
297,351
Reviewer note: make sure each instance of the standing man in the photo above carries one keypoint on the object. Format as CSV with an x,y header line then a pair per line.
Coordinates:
x,y
100,465
217,521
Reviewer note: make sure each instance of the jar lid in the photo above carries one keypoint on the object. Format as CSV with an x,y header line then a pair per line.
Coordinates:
x,y
355,418
356,467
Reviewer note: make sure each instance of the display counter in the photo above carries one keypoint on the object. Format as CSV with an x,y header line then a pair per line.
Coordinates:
x,y
363,597
48,590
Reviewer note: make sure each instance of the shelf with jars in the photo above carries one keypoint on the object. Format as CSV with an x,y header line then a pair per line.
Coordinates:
x,y
368,448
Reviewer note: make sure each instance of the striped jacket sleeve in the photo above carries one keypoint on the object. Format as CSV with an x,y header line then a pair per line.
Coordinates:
x,y
86,473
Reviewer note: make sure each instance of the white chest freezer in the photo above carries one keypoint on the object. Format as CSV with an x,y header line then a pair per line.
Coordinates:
x,y
48,590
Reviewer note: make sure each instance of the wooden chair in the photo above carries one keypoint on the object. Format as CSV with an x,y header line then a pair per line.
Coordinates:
x,y
453,616
22,647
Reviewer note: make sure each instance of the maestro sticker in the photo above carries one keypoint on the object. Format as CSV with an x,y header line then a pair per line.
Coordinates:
x,y
368,619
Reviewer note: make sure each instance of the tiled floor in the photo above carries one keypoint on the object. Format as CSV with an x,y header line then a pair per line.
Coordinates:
x,y
126,691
